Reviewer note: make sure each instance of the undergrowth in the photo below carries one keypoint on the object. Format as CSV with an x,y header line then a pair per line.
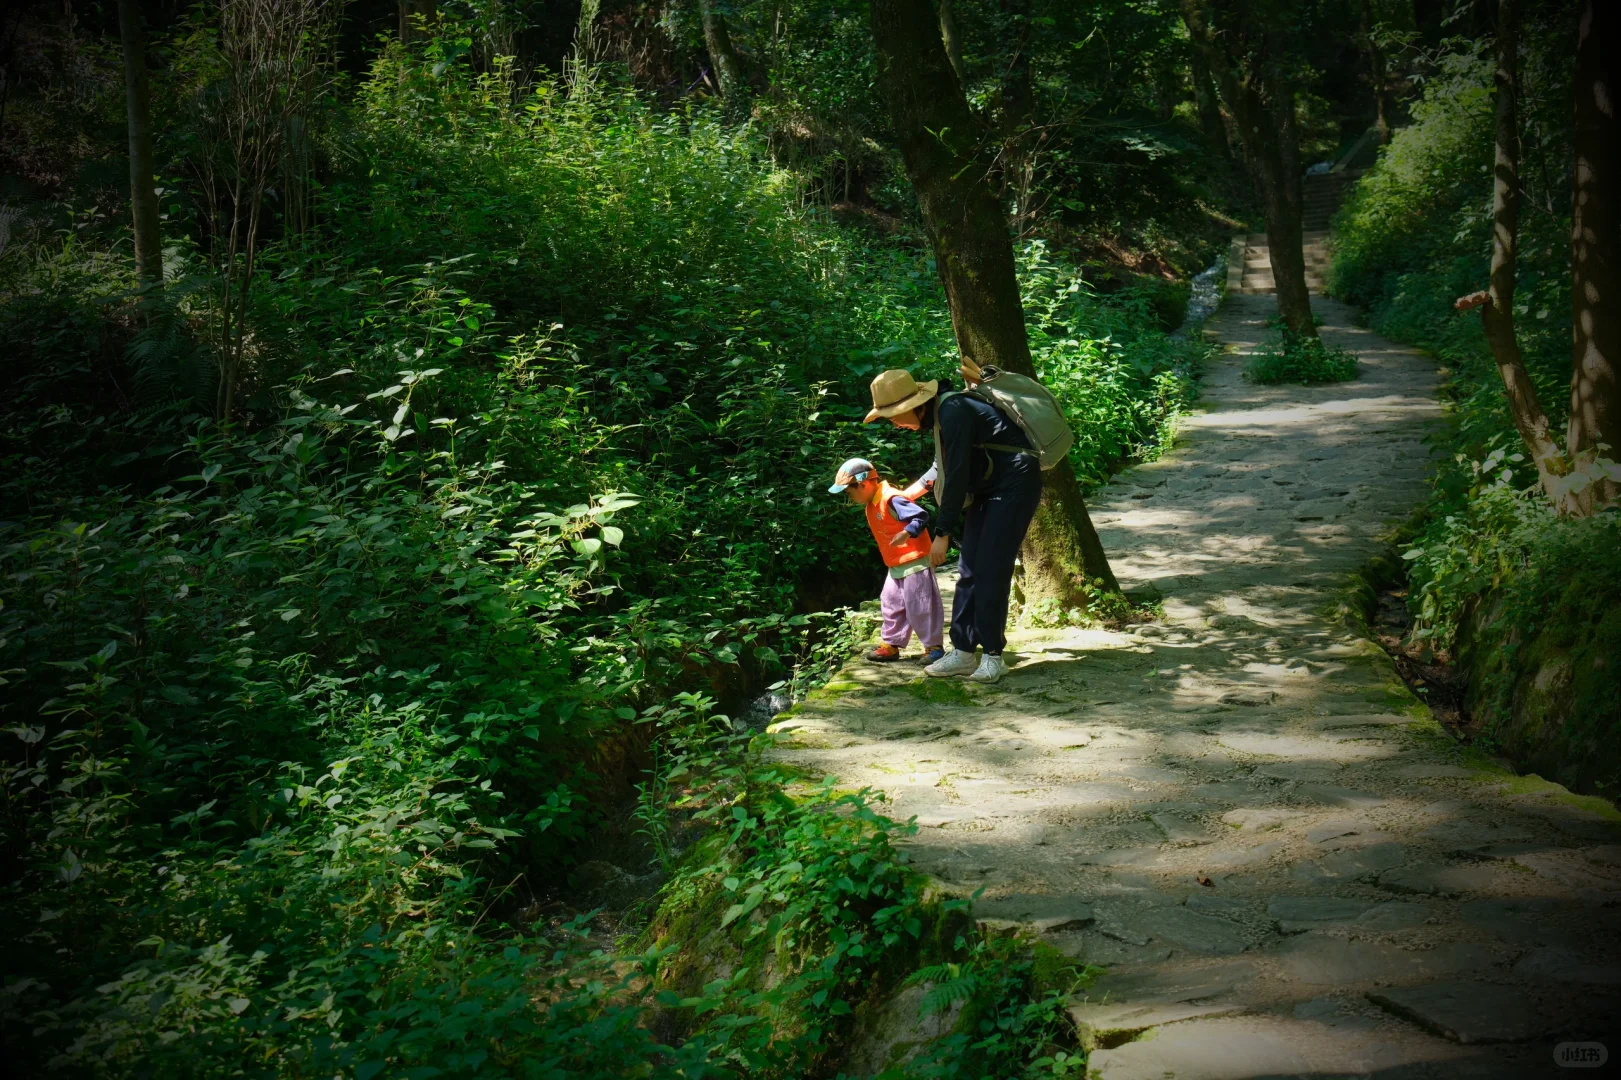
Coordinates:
x,y
312,712
1492,566
1308,361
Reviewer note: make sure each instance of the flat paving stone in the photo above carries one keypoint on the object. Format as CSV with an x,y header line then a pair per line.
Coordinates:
x,y
1329,795
1258,818
1363,720
1275,745
1234,858
1330,961
1226,791
1333,830
1395,915
1180,831
1294,914
1515,921
1107,1025
1563,965
1430,771
1559,866
1045,913
1206,903
1294,772
1438,879
1468,1012
1467,836
1275,1048
1182,982
1360,863
1201,933
1335,1012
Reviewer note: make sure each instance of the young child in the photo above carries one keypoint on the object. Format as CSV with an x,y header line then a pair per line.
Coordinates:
x,y
911,597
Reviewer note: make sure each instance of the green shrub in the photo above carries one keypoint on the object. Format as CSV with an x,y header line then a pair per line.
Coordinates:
x,y
309,706
1309,361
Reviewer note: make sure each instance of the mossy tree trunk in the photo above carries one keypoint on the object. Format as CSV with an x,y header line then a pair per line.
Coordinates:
x,y
1246,57
723,56
1595,252
948,156
143,195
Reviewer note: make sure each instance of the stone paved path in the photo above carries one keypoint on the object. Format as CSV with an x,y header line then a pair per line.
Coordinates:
x,y
1379,904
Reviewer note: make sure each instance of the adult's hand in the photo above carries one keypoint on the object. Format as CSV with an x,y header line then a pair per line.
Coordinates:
x,y
937,553
971,373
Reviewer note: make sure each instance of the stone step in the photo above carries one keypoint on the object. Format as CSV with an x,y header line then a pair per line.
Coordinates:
x,y
1234,1047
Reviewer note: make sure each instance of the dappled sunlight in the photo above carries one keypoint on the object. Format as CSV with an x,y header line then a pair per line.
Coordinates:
x,y
1237,800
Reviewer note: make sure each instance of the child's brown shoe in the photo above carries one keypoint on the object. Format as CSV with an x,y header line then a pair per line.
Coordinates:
x,y
884,654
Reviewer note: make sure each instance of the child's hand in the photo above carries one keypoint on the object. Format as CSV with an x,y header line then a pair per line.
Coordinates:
x,y
900,539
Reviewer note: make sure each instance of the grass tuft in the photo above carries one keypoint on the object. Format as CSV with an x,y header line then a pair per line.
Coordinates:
x,y
1290,358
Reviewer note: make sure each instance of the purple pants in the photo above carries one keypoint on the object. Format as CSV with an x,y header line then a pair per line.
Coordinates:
x,y
912,605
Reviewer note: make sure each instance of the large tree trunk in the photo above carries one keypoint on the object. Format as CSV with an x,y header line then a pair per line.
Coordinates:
x,y
947,156
1498,312
1595,253
143,195
723,56
1246,63
1376,74
1211,122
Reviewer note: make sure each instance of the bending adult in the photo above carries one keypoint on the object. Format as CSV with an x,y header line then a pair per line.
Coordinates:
x,y
986,482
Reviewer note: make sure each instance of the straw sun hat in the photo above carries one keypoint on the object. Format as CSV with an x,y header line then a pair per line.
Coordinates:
x,y
895,391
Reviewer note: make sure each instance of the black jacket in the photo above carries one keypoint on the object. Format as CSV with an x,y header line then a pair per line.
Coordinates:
x,y
966,422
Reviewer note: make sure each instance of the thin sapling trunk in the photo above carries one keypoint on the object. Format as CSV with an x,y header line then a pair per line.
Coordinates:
x,y
143,195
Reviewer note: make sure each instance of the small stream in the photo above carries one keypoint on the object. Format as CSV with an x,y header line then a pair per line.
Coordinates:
x,y
1204,296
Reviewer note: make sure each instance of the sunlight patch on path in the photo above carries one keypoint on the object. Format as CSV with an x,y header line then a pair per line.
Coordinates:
x,y
1362,870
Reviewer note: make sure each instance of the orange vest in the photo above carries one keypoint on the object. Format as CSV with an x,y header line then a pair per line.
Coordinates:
x,y
885,525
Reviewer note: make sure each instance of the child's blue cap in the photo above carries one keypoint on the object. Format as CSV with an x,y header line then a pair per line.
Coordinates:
x,y
853,471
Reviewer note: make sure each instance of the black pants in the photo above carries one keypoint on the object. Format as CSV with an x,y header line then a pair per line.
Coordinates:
x,y
992,530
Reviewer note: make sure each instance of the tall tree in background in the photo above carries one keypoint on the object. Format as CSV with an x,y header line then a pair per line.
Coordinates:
x,y
948,158
1211,123
1243,42
1378,71
1497,302
1595,250
414,15
723,57
143,195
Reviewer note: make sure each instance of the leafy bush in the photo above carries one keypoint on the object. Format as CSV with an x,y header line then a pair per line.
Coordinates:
x,y
1309,361
314,710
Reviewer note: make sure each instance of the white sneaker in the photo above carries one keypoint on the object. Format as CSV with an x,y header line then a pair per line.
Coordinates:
x,y
990,669
955,662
